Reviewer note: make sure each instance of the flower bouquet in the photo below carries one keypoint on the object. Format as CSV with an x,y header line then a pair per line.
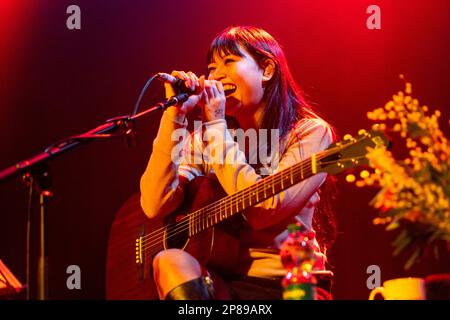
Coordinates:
x,y
414,190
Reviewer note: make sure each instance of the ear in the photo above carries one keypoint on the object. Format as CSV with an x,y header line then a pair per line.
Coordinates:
x,y
268,70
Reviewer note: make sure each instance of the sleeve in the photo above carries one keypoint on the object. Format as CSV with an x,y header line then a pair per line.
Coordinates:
x,y
235,174
192,159
161,193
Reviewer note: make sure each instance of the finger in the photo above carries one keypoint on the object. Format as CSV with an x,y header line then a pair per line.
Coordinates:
x,y
201,81
210,88
215,88
206,97
194,77
187,80
196,80
179,74
219,87
192,81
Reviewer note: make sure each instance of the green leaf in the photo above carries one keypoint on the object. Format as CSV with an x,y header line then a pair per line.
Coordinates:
x,y
400,237
412,259
393,225
402,244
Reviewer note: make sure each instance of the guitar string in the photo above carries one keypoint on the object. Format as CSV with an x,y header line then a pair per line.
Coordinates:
x,y
200,214
183,226
233,199
255,186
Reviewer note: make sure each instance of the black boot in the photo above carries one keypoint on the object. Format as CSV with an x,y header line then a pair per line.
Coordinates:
x,y
196,289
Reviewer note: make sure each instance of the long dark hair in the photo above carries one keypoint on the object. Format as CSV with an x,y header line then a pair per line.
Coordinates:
x,y
285,102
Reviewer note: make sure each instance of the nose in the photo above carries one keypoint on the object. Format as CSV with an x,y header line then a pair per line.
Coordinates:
x,y
218,74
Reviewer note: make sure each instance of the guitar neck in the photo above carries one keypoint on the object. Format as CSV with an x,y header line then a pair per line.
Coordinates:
x,y
264,189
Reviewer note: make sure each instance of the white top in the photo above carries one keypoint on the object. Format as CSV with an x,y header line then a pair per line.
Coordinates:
x,y
175,153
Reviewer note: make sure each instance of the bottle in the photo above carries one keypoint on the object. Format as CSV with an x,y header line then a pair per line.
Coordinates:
x,y
297,257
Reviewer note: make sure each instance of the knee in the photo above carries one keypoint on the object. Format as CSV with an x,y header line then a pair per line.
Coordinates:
x,y
167,259
175,261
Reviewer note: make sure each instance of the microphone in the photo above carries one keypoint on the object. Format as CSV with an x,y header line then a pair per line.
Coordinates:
x,y
176,83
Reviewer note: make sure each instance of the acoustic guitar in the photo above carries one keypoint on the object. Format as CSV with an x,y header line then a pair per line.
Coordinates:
x,y
207,223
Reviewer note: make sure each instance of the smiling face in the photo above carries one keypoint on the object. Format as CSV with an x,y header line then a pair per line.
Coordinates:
x,y
242,78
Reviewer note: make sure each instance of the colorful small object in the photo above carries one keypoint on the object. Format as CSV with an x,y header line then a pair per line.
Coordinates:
x,y
297,256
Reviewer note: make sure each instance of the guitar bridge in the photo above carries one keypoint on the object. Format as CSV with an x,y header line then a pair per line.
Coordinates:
x,y
139,254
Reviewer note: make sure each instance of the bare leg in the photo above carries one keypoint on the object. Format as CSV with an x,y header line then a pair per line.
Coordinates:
x,y
173,267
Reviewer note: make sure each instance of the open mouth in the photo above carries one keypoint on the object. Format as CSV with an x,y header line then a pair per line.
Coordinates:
x,y
229,88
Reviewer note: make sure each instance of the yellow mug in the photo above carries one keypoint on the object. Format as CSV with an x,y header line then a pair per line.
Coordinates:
x,y
401,289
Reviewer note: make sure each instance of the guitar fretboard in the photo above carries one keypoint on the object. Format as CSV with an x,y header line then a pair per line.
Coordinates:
x,y
264,189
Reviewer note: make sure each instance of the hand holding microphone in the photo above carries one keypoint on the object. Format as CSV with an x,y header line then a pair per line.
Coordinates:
x,y
182,82
208,94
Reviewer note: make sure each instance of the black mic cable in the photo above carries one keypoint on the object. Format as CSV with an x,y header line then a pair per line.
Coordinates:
x,y
138,102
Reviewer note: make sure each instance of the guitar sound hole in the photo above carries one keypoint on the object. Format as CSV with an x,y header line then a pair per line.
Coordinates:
x,y
177,235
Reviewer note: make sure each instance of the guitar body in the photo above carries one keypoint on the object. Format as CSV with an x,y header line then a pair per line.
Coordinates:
x,y
135,239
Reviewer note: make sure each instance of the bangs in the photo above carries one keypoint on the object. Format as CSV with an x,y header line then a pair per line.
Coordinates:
x,y
224,45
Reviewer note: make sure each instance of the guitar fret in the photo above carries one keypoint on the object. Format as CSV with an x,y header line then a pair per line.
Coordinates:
x,y
282,185
313,163
190,224
301,171
197,225
292,176
202,222
224,213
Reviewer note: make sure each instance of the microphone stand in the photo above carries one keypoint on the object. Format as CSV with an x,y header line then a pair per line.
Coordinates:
x,y
35,173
